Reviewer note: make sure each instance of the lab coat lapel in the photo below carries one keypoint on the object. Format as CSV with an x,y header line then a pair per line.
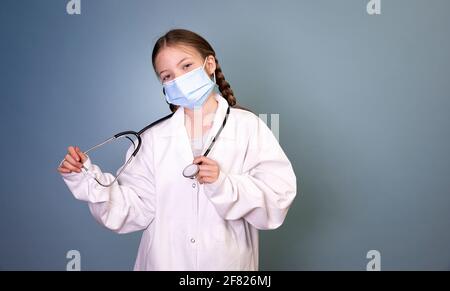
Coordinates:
x,y
217,121
179,136
177,130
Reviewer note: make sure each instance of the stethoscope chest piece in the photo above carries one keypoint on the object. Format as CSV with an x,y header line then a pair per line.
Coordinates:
x,y
191,171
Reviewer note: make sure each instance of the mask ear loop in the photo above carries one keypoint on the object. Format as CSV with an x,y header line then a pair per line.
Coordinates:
x,y
214,73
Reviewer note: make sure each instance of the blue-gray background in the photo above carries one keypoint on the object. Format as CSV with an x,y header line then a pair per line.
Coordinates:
x,y
364,117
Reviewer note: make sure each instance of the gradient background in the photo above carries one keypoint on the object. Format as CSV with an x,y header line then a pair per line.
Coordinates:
x,y
364,118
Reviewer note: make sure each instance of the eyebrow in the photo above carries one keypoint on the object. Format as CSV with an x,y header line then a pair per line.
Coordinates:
x,y
182,60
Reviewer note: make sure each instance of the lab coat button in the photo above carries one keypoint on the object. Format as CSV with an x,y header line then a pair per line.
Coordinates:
x,y
193,240
193,185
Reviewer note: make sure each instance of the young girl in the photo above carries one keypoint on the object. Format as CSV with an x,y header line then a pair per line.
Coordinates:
x,y
244,184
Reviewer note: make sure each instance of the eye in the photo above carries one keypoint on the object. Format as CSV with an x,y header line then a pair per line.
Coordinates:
x,y
186,66
165,78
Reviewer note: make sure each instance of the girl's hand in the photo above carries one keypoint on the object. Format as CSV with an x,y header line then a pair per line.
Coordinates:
x,y
73,161
209,170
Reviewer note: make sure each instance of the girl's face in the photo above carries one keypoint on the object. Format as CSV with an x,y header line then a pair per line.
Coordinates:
x,y
174,61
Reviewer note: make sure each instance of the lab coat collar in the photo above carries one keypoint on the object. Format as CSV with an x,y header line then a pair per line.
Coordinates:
x,y
176,122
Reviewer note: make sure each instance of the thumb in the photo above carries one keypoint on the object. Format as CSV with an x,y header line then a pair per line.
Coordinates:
x,y
81,154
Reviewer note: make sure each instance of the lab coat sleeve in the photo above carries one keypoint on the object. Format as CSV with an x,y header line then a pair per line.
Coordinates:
x,y
126,206
264,191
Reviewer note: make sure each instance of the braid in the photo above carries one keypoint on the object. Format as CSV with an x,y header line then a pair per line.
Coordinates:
x,y
224,86
172,107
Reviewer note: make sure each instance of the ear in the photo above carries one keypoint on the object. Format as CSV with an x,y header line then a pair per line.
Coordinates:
x,y
210,66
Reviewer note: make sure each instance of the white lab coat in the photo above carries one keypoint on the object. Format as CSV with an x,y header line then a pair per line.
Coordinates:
x,y
187,225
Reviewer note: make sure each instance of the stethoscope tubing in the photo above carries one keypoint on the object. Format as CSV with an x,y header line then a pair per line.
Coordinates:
x,y
137,146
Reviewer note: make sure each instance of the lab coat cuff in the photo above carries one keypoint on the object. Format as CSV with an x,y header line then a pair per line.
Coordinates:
x,y
74,175
86,165
83,185
211,188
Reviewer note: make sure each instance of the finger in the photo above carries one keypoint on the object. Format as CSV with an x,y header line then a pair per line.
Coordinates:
x,y
205,174
63,170
208,161
207,167
81,154
72,152
69,166
201,159
197,160
200,179
204,160
70,159
207,170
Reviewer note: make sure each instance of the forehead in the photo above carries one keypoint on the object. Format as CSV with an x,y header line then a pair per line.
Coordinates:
x,y
169,56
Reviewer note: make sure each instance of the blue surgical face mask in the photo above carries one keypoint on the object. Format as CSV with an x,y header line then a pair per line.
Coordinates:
x,y
191,89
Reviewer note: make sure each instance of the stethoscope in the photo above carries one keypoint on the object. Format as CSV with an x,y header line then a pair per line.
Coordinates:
x,y
190,171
